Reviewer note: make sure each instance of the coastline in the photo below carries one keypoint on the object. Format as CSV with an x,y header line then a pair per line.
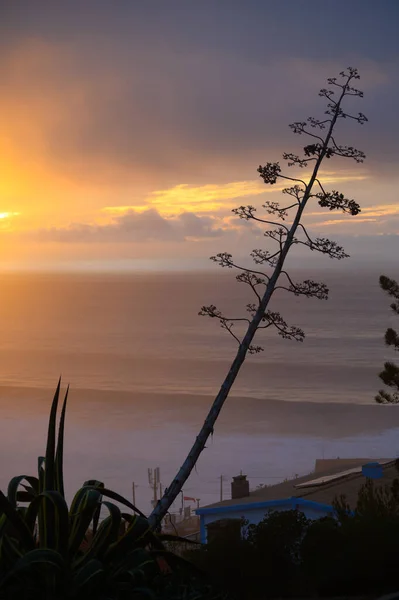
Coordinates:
x,y
240,413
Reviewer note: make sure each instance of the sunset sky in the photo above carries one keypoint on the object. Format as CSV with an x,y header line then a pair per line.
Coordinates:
x,y
130,129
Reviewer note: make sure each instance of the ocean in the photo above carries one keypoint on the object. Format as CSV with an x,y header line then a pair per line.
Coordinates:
x,y
144,367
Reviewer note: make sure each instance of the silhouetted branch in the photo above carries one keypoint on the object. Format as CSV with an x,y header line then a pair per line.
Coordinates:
x,y
287,332
306,233
360,118
276,234
320,185
336,201
224,259
308,288
293,179
390,374
392,338
295,191
300,127
273,208
348,152
247,213
252,280
213,312
317,123
261,256
225,322
272,171
294,160
392,288
384,397
228,327
329,247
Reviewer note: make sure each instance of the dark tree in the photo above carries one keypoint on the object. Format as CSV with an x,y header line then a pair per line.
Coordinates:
x,y
390,374
284,231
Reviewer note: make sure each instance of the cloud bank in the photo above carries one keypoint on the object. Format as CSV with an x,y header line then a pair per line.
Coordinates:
x,y
133,227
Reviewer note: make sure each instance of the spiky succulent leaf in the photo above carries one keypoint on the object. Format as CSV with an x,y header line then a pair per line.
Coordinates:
x,y
49,466
57,508
16,522
89,578
15,483
118,498
85,506
59,456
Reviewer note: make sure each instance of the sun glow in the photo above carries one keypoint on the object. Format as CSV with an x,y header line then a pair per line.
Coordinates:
x,y
7,215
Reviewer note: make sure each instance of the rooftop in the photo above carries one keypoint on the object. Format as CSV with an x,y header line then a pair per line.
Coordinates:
x,y
331,479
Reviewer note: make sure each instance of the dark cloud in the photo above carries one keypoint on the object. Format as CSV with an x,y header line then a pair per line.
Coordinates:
x,y
255,29
135,227
194,91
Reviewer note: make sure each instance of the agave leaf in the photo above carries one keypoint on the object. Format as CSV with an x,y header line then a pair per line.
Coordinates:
x,y
18,524
23,496
107,533
44,556
91,575
93,483
86,505
140,528
6,527
14,484
7,559
40,464
40,469
10,552
34,485
96,517
59,456
32,490
49,471
27,494
118,498
138,534
132,561
57,508
11,547
138,574
80,494
3,523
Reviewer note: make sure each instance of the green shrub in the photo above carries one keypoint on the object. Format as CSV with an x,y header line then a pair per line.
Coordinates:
x,y
286,555
265,563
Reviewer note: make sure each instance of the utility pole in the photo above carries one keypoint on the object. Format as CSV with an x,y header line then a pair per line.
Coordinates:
x,y
221,488
134,493
156,482
154,477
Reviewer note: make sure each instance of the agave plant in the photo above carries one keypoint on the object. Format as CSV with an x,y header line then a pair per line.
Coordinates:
x,y
51,551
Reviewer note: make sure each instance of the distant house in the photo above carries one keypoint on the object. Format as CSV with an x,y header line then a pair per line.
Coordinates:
x,y
312,494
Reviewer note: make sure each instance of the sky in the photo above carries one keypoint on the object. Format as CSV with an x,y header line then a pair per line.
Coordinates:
x,y
130,129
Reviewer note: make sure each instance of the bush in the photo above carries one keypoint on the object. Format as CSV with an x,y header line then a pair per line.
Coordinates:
x,y
287,555
265,563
